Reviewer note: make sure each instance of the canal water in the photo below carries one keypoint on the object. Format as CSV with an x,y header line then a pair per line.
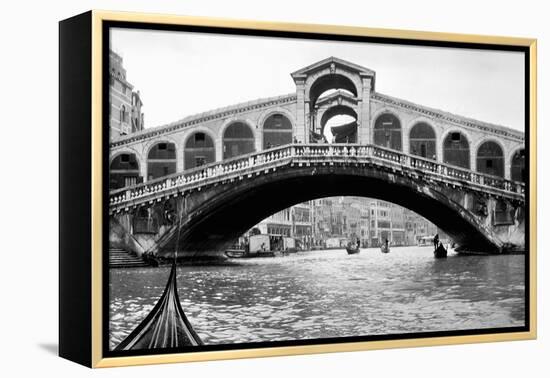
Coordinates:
x,y
323,294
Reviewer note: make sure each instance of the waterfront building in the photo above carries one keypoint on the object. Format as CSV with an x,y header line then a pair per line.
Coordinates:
x,y
277,224
417,227
397,223
125,116
322,220
372,221
380,222
302,223
295,221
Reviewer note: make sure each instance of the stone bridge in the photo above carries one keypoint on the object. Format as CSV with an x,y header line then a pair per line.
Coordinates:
x,y
247,161
217,202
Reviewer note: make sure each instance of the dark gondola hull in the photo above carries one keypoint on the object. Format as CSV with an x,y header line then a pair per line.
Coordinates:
x,y
440,252
166,326
385,249
353,251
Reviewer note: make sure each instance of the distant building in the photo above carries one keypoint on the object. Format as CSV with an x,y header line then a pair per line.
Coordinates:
x,y
125,115
277,224
417,227
302,219
380,222
322,220
295,221
372,221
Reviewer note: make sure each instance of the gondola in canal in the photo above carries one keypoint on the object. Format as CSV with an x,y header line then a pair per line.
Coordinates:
x,y
353,247
440,251
385,248
166,326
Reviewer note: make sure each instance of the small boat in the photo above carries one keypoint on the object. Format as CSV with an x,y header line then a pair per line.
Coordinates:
x,y
235,253
353,249
440,251
385,248
166,326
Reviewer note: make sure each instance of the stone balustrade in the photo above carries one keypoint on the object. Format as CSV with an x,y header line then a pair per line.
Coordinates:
x,y
317,153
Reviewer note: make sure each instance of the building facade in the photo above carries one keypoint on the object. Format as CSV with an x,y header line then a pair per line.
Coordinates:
x,y
125,114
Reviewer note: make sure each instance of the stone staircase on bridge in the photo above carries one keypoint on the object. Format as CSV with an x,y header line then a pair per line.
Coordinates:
x,y
120,258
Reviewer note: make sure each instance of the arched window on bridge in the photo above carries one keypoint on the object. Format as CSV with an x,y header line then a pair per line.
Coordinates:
x,y
161,160
387,132
124,171
339,124
199,150
327,84
518,166
277,131
490,159
456,150
422,141
238,139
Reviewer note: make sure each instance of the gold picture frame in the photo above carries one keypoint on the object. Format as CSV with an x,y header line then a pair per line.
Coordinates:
x,y
85,274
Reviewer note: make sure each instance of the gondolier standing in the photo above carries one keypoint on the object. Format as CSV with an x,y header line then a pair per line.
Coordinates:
x,y
436,240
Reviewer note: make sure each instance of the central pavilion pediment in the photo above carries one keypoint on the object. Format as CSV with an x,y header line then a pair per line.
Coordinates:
x,y
332,64
338,97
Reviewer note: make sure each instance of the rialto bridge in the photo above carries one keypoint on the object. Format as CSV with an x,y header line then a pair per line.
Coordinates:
x,y
220,172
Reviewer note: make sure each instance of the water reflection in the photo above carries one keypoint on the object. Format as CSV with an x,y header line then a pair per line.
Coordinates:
x,y
329,294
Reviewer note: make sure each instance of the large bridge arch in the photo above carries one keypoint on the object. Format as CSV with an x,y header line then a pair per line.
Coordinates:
x,y
210,223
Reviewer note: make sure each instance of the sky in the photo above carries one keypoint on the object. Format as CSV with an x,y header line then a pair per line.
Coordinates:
x,y
179,73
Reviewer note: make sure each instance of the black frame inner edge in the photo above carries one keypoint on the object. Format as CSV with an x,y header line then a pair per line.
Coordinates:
x,y
106,25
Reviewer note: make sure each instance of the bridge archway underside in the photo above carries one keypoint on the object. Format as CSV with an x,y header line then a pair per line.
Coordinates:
x,y
220,201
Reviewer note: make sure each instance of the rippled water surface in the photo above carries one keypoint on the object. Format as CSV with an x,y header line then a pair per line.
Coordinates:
x,y
329,294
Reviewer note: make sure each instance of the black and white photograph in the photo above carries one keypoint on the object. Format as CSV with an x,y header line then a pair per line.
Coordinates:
x,y
276,190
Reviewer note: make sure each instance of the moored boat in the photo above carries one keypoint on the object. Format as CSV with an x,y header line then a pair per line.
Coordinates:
x,y
235,253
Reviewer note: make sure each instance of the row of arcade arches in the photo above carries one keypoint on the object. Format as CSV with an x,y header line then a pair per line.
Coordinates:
x,y
456,147
238,139
387,131
199,149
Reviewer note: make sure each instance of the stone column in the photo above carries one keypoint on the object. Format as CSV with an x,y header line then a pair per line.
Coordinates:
x,y
507,161
507,168
473,157
218,143
364,134
142,159
440,149
258,137
299,132
308,121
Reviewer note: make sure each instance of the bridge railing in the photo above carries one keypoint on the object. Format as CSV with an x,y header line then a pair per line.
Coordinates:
x,y
334,152
196,175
